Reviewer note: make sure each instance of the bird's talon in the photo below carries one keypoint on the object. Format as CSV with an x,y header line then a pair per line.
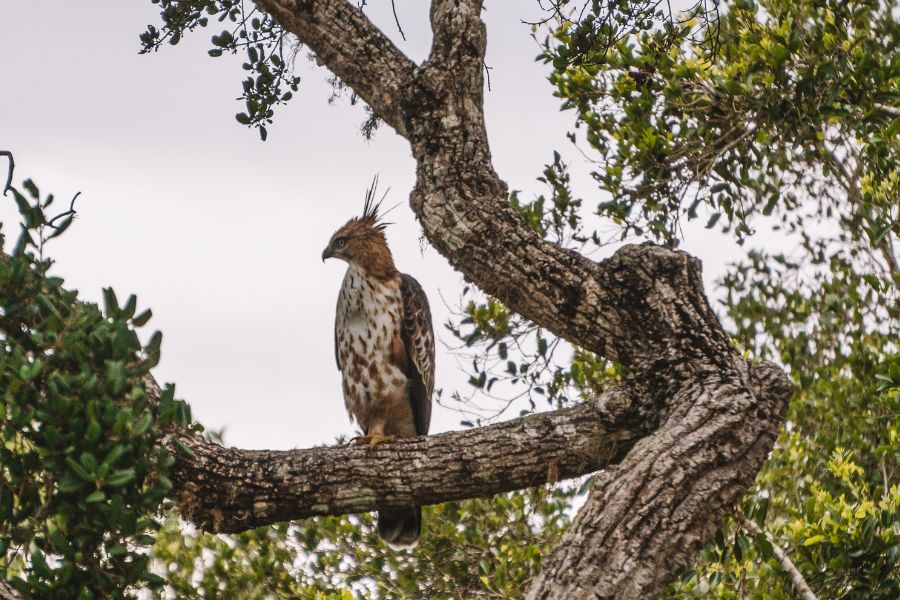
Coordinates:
x,y
378,438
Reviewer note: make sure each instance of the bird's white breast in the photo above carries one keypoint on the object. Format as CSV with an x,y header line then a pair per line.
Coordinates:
x,y
368,317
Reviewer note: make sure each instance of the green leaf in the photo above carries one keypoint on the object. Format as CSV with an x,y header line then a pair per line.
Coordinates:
x,y
882,233
778,52
121,477
143,424
184,450
762,509
93,431
110,303
164,483
29,372
812,540
78,470
88,461
58,230
116,376
130,307
32,189
141,319
94,497
765,546
741,546
68,483
153,345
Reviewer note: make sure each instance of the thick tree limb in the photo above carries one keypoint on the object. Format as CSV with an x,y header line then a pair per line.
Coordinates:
x,y
229,490
345,40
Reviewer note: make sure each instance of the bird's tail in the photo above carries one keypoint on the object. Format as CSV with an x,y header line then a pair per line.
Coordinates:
x,y
400,528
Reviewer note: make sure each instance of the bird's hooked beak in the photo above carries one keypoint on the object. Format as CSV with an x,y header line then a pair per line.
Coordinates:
x,y
326,253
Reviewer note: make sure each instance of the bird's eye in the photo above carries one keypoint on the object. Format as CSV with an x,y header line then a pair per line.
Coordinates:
x,y
340,242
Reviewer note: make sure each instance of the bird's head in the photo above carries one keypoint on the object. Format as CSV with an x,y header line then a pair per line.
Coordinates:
x,y
361,240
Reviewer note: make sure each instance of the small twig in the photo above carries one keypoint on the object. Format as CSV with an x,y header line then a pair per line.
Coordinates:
x,y
487,74
67,213
397,20
891,110
12,166
793,574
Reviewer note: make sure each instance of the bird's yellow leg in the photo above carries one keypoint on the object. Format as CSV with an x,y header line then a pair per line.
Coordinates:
x,y
377,438
374,437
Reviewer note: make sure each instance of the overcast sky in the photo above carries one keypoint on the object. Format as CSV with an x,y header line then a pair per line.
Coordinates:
x,y
222,234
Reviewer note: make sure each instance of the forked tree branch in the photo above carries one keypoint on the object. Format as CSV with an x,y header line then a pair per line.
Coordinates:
x,y
682,437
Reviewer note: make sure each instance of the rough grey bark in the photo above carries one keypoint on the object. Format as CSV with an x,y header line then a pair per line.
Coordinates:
x,y
651,513
229,490
694,420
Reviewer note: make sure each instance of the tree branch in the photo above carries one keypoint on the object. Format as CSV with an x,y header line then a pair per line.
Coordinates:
x,y
9,173
787,564
885,108
348,43
8,592
228,490
464,209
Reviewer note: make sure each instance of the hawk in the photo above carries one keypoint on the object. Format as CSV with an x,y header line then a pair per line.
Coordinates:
x,y
384,347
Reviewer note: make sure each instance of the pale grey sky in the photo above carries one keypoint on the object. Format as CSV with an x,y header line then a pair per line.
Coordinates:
x,y
221,234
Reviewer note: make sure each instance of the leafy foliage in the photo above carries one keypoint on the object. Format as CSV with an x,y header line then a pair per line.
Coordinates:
x,y
268,48
484,548
82,471
254,565
754,125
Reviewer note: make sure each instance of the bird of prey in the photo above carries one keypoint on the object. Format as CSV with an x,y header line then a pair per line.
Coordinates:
x,y
384,347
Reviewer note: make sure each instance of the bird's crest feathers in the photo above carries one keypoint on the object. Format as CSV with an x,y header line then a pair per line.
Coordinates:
x,y
371,208
361,240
